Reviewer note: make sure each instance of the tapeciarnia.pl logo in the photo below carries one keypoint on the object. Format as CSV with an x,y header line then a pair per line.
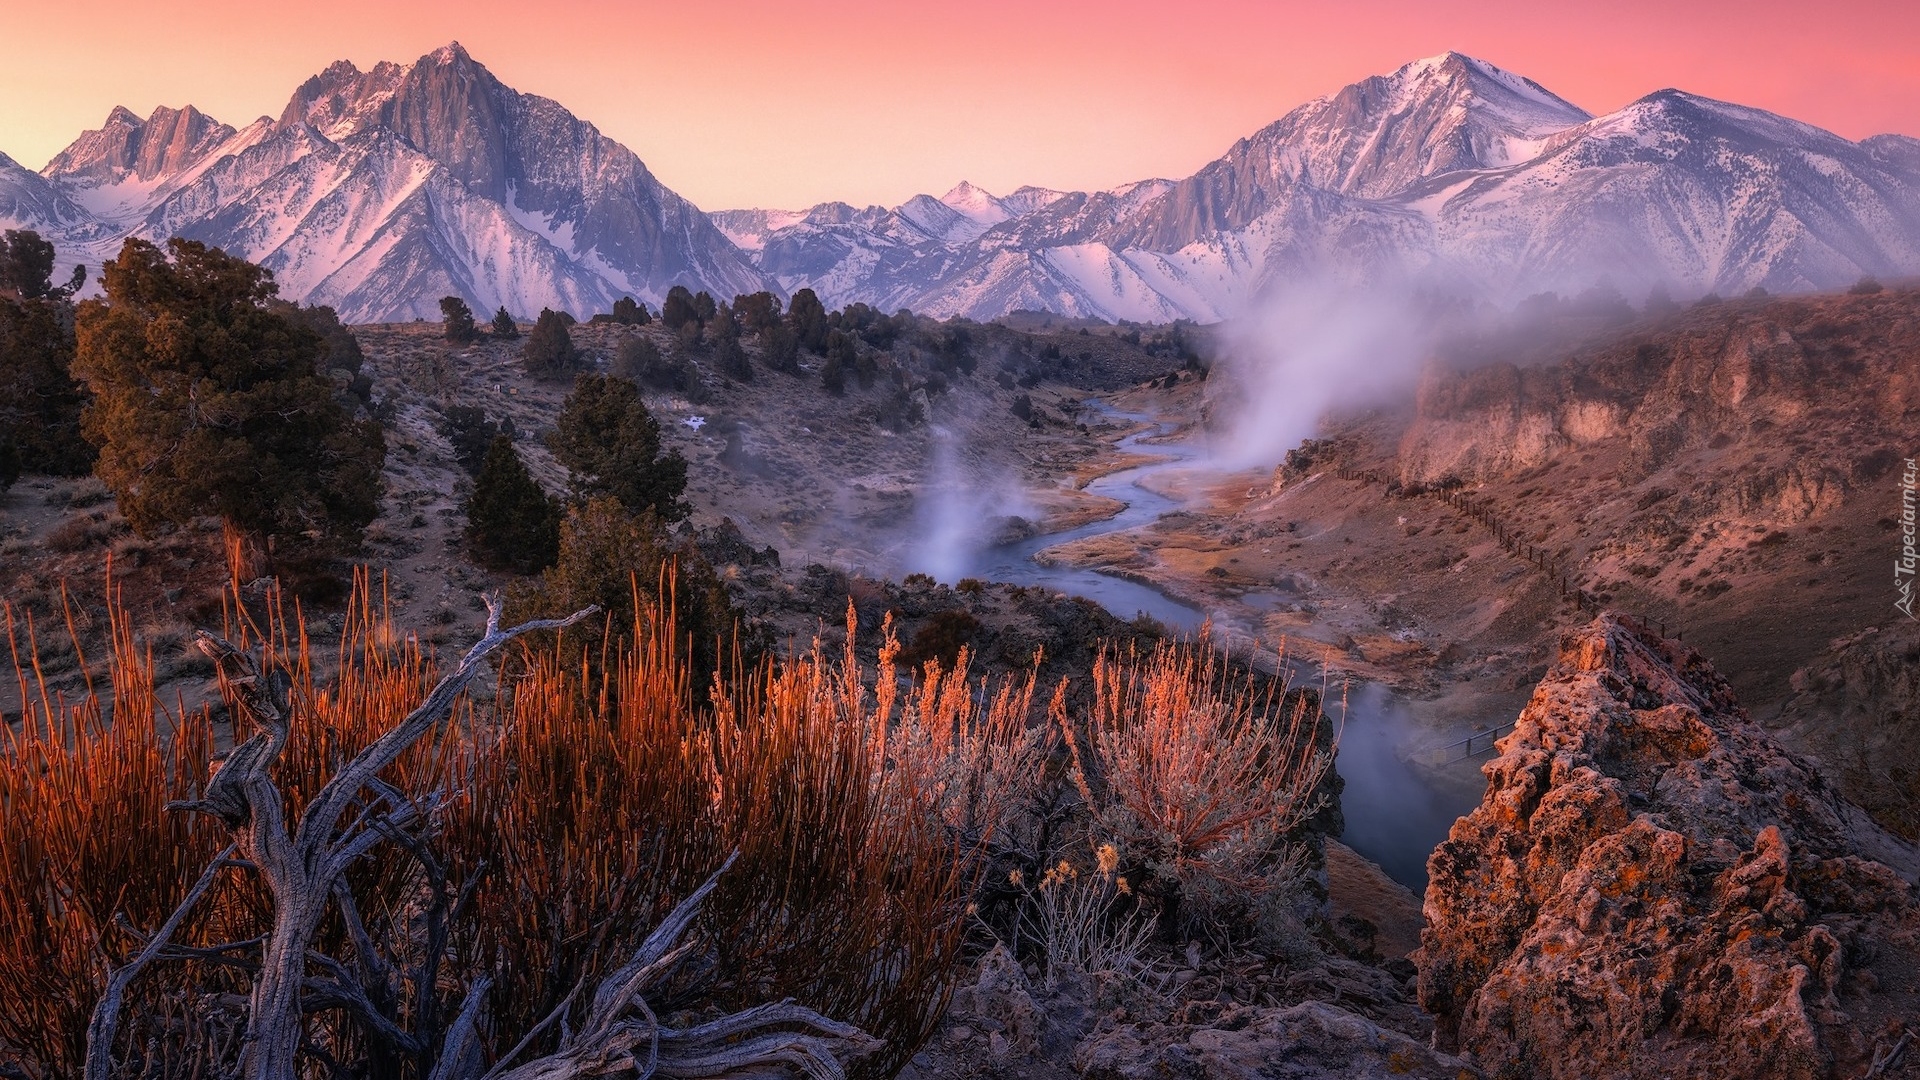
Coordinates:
x,y
1903,567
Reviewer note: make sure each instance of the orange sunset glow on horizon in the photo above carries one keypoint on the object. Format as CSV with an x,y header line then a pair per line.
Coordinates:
x,y
790,104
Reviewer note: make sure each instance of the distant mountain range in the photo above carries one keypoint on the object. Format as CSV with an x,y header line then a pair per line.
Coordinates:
x,y
378,192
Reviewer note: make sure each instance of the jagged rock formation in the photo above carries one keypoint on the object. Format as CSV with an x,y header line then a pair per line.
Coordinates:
x,y
129,148
1651,887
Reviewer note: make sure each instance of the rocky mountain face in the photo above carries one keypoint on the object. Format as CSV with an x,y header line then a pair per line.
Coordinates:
x,y
1449,173
1724,379
1651,887
129,148
379,192
28,201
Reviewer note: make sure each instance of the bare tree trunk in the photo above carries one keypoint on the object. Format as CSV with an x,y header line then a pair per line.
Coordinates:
x,y
275,1025
301,866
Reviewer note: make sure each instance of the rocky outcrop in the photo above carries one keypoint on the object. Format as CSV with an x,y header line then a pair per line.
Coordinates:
x,y
1651,887
1854,706
129,148
1070,1026
1309,1041
1732,383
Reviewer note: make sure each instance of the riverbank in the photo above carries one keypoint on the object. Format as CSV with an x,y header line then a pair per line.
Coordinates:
x,y
1395,811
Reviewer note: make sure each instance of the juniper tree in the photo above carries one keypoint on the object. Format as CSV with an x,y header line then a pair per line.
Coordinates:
x,y
808,318
608,555
630,312
843,352
757,311
677,310
512,524
641,361
40,403
610,445
208,400
343,352
782,348
724,337
504,327
833,375
549,351
26,268
471,434
459,320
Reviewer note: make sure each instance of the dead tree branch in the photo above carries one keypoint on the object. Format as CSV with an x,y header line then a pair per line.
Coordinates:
x,y
301,865
304,866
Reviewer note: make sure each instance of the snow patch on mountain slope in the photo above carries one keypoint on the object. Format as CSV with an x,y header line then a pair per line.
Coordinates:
x,y
372,193
559,235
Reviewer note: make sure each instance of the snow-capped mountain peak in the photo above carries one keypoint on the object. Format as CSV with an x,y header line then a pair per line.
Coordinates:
x,y
976,203
1449,169
126,147
380,191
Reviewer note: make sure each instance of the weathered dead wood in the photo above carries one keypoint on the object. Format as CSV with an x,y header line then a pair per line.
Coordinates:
x,y
304,869
622,1033
105,1022
301,865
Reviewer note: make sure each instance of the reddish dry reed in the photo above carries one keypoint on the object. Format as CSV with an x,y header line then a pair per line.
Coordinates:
x,y
568,822
88,850
574,808
1196,772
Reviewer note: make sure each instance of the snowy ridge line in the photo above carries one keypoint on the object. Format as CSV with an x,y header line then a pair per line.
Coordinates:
x,y
380,191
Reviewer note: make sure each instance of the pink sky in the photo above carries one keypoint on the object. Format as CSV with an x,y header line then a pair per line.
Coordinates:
x,y
788,104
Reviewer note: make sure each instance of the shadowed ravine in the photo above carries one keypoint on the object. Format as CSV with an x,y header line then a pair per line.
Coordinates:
x,y
1394,814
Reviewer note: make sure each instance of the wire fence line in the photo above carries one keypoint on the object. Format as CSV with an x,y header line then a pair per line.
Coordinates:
x,y
1475,745
1516,544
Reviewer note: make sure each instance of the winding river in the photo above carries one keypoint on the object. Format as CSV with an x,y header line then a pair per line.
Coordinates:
x,y
1394,814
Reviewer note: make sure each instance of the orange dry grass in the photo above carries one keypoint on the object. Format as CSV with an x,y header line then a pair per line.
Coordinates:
x,y
849,890
973,754
1196,771
570,820
85,839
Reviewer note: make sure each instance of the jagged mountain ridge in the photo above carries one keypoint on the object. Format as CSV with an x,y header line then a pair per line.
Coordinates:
x,y
378,192
1448,171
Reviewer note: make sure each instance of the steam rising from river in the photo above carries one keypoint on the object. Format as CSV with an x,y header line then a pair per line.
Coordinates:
x,y
960,511
1309,350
